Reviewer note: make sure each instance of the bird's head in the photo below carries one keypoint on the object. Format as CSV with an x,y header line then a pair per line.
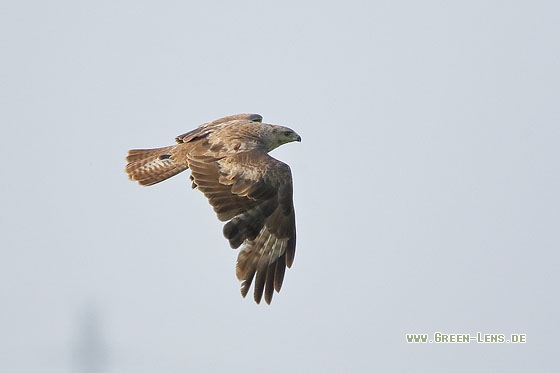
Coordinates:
x,y
280,135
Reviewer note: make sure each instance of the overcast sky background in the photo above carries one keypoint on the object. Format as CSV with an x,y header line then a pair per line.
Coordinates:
x,y
426,185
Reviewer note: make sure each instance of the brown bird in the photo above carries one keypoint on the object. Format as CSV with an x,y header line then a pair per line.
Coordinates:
x,y
248,188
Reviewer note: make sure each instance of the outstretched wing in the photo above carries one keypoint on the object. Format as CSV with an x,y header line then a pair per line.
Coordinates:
x,y
206,128
253,192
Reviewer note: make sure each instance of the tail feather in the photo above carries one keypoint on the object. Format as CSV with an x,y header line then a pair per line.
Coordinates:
x,y
151,166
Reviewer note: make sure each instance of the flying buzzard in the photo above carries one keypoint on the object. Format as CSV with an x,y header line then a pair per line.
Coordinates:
x,y
248,188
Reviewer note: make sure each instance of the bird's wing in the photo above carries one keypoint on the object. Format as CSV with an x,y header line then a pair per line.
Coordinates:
x,y
253,192
206,128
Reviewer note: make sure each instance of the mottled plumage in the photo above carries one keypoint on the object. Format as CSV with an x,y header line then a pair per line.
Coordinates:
x,y
249,189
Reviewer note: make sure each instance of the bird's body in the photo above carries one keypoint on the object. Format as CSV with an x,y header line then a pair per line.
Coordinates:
x,y
230,164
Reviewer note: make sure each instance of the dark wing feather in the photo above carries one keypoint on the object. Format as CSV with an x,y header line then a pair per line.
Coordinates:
x,y
206,128
254,192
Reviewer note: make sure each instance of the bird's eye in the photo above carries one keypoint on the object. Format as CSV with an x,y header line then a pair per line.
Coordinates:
x,y
287,133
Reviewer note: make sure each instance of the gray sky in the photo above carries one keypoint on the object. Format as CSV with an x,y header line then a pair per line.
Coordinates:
x,y
426,184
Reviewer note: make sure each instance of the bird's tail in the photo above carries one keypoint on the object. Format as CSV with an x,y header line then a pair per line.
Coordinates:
x,y
151,166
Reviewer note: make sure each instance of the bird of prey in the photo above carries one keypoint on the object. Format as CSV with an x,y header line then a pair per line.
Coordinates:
x,y
248,188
